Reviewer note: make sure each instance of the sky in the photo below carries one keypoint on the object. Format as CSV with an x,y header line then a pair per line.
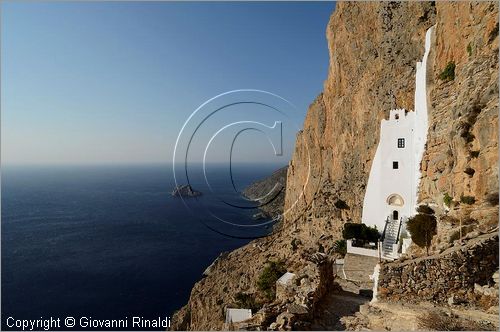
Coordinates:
x,y
114,82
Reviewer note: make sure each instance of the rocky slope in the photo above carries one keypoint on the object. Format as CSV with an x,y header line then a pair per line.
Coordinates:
x,y
272,190
373,50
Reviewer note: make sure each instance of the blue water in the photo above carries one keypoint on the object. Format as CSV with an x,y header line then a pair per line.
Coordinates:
x,y
107,242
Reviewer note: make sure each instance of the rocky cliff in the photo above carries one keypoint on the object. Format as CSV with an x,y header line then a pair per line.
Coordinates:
x,y
373,50
461,159
271,192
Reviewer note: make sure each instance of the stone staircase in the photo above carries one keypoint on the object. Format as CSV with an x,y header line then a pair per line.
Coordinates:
x,y
390,239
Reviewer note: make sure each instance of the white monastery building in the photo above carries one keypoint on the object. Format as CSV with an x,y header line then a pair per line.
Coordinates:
x,y
391,192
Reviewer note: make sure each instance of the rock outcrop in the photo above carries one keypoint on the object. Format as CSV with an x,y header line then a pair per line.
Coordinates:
x,y
373,50
185,191
461,159
271,192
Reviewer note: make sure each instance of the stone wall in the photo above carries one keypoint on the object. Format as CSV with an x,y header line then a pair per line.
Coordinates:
x,y
294,307
437,278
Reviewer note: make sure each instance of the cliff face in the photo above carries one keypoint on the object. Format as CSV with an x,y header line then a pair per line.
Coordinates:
x,y
461,158
373,49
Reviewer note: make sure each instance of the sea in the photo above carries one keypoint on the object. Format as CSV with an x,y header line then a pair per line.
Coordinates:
x,y
111,242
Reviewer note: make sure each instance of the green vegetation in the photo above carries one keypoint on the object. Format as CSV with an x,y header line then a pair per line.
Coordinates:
x,y
469,49
493,33
247,301
465,131
360,232
342,205
467,199
340,247
422,226
474,154
425,209
448,73
454,236
469,221
449,220
295,244
267,279
492,199
447,200
469,171
469,137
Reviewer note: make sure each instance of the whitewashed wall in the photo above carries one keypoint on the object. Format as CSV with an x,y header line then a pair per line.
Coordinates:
x,y
383,180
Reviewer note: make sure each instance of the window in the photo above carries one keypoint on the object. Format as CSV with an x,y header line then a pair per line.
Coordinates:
x,y
401,143
395,200
395,165
396,116
395,215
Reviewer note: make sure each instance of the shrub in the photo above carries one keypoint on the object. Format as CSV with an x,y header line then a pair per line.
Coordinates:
x,y
342,205
246,301
469,49
454,236
474,154
340,247
422,228
448,73
469,171
493,33
492,199
466,228
447,200
437,320
450,220
486,302
425,209
464,131
469,137
295,244
370,234
469,221
360,232
268,277
467,199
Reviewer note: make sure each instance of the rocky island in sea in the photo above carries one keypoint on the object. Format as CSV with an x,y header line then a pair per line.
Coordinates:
x,y
185,191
